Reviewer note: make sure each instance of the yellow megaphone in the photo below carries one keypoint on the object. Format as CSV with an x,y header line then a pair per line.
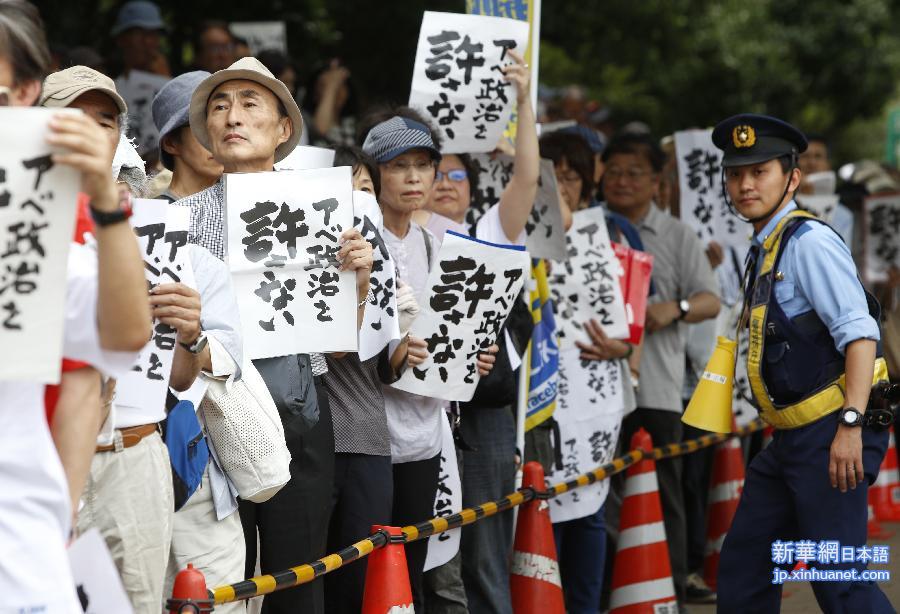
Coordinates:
x,y
710,406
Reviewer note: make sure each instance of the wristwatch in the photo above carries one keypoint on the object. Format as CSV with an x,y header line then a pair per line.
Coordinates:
x,y
850,416
107,218
197,346
683,308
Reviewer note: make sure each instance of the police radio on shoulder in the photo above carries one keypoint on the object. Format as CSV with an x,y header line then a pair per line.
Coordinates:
x,y
850,416
108,218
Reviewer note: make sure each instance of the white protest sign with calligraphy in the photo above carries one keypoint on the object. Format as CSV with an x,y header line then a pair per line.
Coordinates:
x,y
380,322
447,500
703,207
306,157
742,405
589,410
587,285
469,294
545,236
882,235
138,88
261,35
457,77
822,206
37,220
97,581
162,232
284,231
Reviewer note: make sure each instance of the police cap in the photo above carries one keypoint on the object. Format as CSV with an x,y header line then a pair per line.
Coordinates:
x,y
750,139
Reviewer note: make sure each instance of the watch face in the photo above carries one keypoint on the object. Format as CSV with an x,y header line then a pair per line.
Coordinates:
x,y
850,417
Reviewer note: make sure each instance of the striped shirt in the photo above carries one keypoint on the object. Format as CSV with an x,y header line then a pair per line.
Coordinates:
x,y
207,229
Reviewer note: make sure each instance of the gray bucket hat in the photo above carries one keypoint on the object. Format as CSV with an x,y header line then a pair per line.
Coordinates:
x,y
171,107
138,14
251,69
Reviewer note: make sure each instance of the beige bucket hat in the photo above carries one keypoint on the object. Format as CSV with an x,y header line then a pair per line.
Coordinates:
x,y
62,87
251,69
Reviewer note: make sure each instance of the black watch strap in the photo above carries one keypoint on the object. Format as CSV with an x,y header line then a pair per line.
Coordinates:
x,y
107,218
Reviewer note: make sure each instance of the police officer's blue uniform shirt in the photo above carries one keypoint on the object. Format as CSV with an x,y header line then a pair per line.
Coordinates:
x,y
819,274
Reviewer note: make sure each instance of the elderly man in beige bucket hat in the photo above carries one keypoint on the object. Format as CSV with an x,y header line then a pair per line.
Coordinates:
x,y
248,119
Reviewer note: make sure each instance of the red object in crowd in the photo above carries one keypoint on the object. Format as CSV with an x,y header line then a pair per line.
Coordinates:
x,y
534,579
387,578
884,494
635,284
874,530
724,495
189,594
642,574
83,223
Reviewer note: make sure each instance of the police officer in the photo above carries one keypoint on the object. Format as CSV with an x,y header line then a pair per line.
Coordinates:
x,y
814,355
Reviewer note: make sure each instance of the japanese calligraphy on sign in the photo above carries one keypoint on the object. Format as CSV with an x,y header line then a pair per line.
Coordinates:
x,y
37,218
703,207
284,231
138,89
822,206
458,79
545,236
882,235
447,500
162,232
587,285
381,324
589,411
469,294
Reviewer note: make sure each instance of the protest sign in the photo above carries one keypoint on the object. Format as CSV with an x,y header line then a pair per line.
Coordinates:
x,y
587,285
162,232
882,235
469,293
545,236
457,77
284,231
447,500
97,581
589,410
703,206
381,324
820,205
305,157
261,35
138,89
37,218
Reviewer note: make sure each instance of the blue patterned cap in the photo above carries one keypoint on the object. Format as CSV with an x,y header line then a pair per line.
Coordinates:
x,y
396,136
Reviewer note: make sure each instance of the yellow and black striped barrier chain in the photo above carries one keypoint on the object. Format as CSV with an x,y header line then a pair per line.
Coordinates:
x,y
302,574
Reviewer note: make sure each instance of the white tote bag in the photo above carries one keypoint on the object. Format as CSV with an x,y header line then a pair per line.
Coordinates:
x,y
245,428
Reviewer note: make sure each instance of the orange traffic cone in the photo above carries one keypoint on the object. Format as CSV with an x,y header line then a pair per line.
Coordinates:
x,y
189,594
884,494
642,575
874,529
724,496
387,588
768,432
534,579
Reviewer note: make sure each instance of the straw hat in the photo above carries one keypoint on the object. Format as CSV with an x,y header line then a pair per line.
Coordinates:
x,y
250,69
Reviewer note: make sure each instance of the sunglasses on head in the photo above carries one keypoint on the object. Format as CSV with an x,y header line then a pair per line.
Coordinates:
x,y
456,175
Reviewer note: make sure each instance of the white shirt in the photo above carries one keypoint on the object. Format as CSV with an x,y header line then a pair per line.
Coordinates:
x,y
35,516
414,421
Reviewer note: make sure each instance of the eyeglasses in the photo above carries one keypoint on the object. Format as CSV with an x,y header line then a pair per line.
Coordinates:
x,y
632,174
401,167
457,175
4,96
570,178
